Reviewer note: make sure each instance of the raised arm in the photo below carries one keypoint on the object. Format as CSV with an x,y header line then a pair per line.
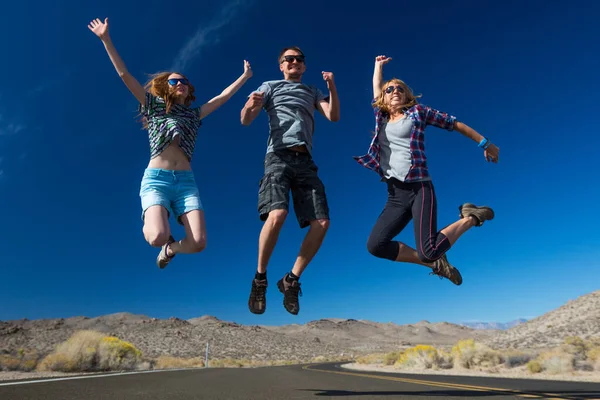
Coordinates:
x,y
330,109
226,94
378,74
100,29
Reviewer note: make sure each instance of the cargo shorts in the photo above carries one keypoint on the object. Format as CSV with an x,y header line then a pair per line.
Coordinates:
x,y
286,171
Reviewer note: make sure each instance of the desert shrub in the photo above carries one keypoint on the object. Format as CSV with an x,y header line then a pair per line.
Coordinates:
x,y
20,360
469,354
534,367
445,359
420,356
116,354
376,358
515,358
92,351
391,358
9,362
556,361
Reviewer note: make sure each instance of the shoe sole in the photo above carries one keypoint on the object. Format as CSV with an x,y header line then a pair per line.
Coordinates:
x,y
171,240
471,205
258,312
282,290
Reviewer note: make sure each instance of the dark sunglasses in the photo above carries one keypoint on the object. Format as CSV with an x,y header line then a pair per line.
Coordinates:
x,y
174,81
300,59
391,88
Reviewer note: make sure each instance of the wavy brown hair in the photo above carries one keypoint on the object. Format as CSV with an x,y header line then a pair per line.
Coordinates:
x,y
158,85
411,99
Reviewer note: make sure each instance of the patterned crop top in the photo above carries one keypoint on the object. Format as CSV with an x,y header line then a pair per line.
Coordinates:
x,y
163,128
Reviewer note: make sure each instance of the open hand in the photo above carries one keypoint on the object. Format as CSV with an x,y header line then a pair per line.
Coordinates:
x,y
99,28
492,153
328,77
247,69
255,100
382,60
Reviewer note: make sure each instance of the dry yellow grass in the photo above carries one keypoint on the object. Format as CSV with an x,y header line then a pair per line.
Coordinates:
x,y
168,362
575,354
21,360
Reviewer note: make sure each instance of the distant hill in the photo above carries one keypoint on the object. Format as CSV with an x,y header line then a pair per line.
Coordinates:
x,y
579,317
188,338
493,325
302,342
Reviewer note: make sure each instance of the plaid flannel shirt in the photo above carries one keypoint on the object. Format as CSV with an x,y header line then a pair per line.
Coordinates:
x,y
421,116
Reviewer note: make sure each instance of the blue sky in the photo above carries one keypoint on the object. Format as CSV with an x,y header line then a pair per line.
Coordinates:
x,y
522,73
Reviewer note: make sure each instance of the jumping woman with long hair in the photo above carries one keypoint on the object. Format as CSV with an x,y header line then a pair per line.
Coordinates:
x,y
397,154
168,185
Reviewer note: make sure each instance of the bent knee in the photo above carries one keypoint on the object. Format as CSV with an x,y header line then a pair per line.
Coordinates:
x,y
387,250
322,224
277,217
374,248
198,245
156,238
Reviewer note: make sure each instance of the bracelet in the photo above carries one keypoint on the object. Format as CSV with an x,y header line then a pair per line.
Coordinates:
x,y
485,143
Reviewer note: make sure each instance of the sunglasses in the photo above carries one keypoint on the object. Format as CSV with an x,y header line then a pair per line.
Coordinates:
x,y
391,88
300,59
174,81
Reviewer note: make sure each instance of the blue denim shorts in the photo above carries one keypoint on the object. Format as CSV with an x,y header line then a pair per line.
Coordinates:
x,y
175,190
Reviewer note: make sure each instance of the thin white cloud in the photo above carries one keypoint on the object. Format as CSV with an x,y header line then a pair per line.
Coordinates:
x,y
50,83
10,128
207,34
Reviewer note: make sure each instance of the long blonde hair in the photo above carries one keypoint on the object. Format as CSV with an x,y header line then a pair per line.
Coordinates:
x,y
411,99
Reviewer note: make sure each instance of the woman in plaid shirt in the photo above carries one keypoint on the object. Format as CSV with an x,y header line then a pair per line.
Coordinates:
x,y
397,154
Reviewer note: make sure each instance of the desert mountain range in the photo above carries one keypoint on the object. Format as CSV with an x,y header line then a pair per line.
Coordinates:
x,y
299,342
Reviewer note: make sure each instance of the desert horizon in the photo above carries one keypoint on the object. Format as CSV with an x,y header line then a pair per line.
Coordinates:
x,y
562,343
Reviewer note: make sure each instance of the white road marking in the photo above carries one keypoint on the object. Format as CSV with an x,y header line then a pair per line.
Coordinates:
x,y
67,378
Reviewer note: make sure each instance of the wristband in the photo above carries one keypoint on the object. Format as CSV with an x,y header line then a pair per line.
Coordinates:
x,y
485,143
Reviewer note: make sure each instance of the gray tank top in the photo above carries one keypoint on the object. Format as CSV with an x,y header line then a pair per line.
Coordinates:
x,y
395,158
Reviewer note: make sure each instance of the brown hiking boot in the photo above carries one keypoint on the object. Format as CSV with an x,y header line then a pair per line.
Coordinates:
x,y
163,259
481,214
257,303
443,269
290,292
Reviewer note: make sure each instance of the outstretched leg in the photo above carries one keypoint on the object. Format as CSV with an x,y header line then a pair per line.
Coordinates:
x,y
312,210
310,245
273,199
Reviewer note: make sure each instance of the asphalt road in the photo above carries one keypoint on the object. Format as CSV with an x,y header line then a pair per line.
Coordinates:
x,y
293,382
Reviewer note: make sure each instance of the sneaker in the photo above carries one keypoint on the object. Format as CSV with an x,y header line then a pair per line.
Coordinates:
x,y
444,269
163,259
481,214
290,292
257,303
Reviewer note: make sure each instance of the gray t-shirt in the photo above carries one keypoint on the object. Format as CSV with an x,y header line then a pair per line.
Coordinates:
x,y
395,157
290,108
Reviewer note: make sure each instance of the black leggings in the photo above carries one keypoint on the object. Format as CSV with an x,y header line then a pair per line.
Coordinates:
x,y
405,202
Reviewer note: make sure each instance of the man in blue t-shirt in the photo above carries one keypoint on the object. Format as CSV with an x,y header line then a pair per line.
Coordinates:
x,y
290,106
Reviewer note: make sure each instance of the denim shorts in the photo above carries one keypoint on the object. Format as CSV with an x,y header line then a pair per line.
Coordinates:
x,y
175,190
